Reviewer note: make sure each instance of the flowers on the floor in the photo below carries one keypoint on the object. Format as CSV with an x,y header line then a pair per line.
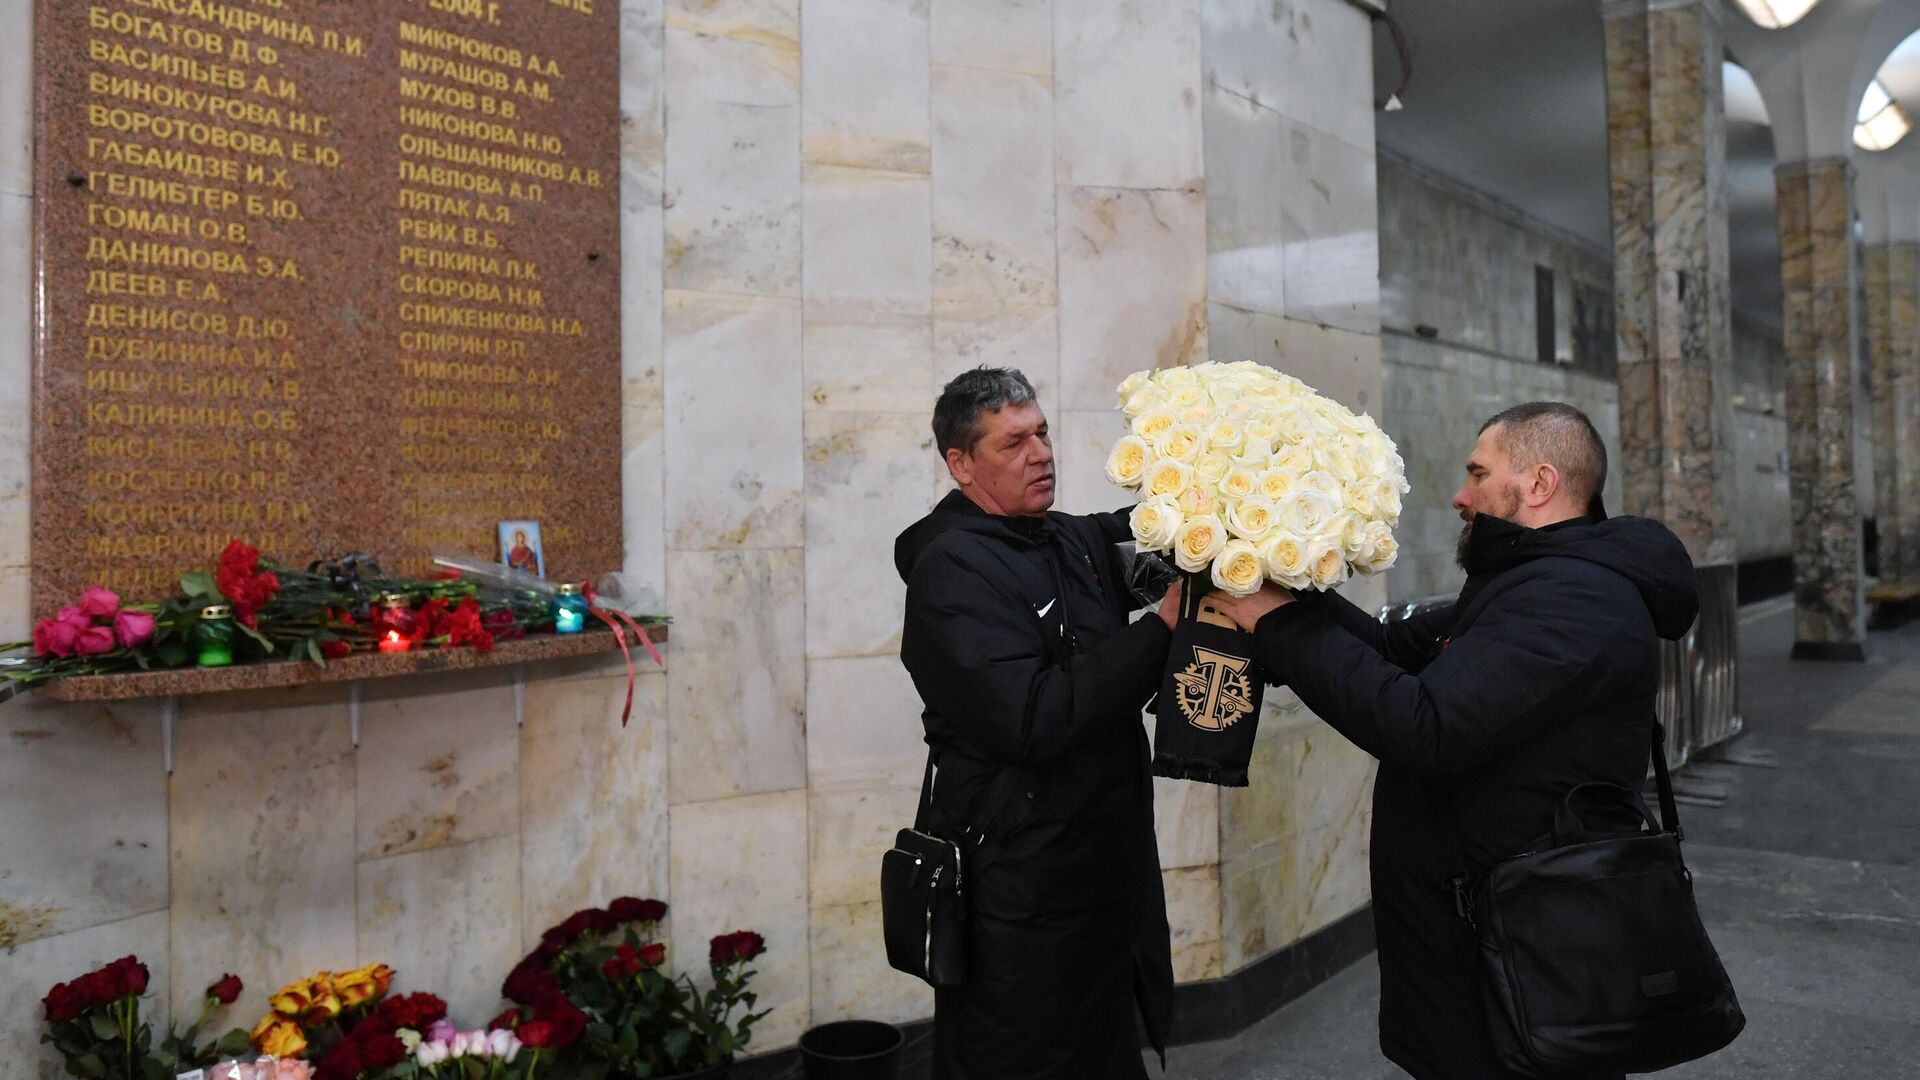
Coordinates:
x,y
94,1023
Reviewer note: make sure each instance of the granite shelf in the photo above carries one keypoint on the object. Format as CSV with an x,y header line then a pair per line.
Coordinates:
x,y
264,676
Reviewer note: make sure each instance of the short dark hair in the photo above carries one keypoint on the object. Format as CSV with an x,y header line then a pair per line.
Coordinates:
x,y
1557,434
956,416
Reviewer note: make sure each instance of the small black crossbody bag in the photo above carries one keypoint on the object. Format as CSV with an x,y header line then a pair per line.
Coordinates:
x,y
923,900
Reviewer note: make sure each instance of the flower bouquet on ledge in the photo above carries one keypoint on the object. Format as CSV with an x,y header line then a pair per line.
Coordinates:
x,y
1245,475
94,1022
597,993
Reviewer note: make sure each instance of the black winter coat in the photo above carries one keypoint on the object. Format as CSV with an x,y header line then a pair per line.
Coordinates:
x,y
1017,638
1541,676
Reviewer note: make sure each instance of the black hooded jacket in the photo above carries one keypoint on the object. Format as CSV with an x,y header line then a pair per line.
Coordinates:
x,y
1542,676
1017,638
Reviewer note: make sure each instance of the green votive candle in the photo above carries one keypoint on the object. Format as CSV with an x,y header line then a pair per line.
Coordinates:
x,y
213,636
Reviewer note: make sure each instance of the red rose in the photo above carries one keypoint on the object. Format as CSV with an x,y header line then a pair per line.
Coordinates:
x,y
66,1001
127,977
54,637
653,955
381,1051
96,987
615,969
335,650
739,945
580,922
529,981
633,909
506,1021
569,1023
95,640
536,1034
344,1063
226,990
417,1011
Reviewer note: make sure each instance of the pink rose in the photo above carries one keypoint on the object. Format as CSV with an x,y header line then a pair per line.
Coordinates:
x,y
74,617
95,640
134,628
99,601
55,638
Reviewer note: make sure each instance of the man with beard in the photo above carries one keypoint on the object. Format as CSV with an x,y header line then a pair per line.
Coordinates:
x,y
1017,639
1540,677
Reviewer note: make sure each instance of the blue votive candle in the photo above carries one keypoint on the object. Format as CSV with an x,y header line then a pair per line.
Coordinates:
x,y
569,610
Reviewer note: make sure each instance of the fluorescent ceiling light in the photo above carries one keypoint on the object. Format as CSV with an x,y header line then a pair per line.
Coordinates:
x,y
1774,14
1875,99
1882,129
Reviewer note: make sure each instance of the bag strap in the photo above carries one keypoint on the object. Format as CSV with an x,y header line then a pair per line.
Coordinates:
x,y
926,795
1669,810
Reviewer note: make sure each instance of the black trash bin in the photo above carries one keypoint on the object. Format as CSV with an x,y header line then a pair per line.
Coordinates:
x,y
852,1050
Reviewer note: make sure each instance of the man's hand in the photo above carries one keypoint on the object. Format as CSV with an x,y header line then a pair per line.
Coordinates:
x,y
1247,611
1170,605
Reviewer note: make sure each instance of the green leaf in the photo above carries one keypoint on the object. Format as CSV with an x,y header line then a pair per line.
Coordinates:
x,y
198,583
104,1028
254,634
313,653
88,1065
233,1043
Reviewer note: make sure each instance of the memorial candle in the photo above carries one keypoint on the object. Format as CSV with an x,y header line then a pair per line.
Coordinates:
x,y
569,610
392,641
213,636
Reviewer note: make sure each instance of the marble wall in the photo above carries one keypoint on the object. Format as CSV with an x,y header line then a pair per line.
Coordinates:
x,y
1892,312
829,209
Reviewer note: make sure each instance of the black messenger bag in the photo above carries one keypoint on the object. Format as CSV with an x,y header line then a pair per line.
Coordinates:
x,y
1591,952
923,901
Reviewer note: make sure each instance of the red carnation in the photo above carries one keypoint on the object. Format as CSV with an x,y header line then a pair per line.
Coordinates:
x,y
633,909
226,990
536,1034
241,582
66,1001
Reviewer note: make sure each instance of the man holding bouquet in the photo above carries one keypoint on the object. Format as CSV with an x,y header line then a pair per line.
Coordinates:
x,y
1018,640
1542,676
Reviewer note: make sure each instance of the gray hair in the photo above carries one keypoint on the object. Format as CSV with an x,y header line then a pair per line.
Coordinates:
x,y
956,416
1557,434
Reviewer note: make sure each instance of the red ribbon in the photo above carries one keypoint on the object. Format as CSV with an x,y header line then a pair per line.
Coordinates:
x,y
608,615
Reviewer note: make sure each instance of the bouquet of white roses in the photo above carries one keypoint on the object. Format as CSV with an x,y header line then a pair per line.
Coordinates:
x,y
1247,474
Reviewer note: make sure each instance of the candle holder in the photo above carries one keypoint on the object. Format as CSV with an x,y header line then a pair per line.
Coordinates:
x,y
212,636
394,641
393,620
569,610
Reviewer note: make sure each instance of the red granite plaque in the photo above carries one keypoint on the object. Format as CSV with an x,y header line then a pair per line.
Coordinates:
x,y
327,275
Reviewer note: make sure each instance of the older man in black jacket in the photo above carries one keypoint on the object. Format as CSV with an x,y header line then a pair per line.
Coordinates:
x,y
1017,637
1541,676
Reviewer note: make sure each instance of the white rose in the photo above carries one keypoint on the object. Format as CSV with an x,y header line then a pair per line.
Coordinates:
x,y
1297,460
1212,466
1181,442
1253,517
1358,497
1133,383
1263,426
1166,477
1253,450
1379,550
1174,377
1348,529
1142,400
1296,425
1286,559
1323,482
1198,500
1187,397
1197,541
1332,457
1238,571
1200,416
1276,482
1154,522
1326,563
1225,435
1153,423
1305,512
1239,483
1385,495
1129,460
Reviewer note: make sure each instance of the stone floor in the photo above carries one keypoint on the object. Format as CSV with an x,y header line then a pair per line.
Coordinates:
x,y
1808,877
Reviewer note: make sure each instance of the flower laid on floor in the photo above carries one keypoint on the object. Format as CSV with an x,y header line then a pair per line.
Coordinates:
x,y
94,1022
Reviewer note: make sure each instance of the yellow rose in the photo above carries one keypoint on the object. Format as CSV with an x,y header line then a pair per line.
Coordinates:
x,y
1276,482
1252,517
362,985
1198,500
322,1003
1239,483
1151,424
1212,466
1181,442
279,1037
1154,522
1238,570
1166,477
1326,563
292,999
1129,461
1197,541
1286,559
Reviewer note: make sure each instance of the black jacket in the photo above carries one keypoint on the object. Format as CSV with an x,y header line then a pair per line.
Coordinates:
x,y
1541,676
1017,638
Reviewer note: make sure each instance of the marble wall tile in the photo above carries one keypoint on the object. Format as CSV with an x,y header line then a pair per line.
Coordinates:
x,y
593,797
771,22
1133,287
1332,237
1127,90
261,838
1081,440
736,692
863,724
850,976
733,157
869,476
16,98
1309,60
738,864
76,853
733,472
1247,156
643,477
16,374
861,359
993,197
864,83
438,762
33,967
1186,818
446,920
1254,893
1193,918
1002,35
867,238
1334,877
968,334
642,289
16,605
1341,364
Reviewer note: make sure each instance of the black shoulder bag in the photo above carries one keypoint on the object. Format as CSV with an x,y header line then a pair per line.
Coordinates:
x,y
1591,952
923,900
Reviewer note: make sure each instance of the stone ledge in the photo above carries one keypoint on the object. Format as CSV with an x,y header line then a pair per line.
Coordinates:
x,y
177,682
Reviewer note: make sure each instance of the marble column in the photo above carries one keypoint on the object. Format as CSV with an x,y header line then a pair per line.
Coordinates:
x,y
1816,270
1885,386
1666,132
1903,323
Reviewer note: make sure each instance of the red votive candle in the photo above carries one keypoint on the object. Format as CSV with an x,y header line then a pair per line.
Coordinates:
x,y
393,642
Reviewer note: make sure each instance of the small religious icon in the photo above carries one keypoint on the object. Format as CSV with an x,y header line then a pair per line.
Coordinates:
x,y
520,547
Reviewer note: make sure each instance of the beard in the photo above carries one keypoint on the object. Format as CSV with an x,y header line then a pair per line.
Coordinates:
x,y
1509,507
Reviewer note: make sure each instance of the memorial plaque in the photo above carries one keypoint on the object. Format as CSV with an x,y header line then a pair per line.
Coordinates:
x,y
327,275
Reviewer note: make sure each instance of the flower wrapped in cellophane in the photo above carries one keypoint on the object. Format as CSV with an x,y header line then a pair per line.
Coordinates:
x,y
1245,475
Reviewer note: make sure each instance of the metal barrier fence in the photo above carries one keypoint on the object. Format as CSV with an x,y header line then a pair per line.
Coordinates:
x,y
1699,697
